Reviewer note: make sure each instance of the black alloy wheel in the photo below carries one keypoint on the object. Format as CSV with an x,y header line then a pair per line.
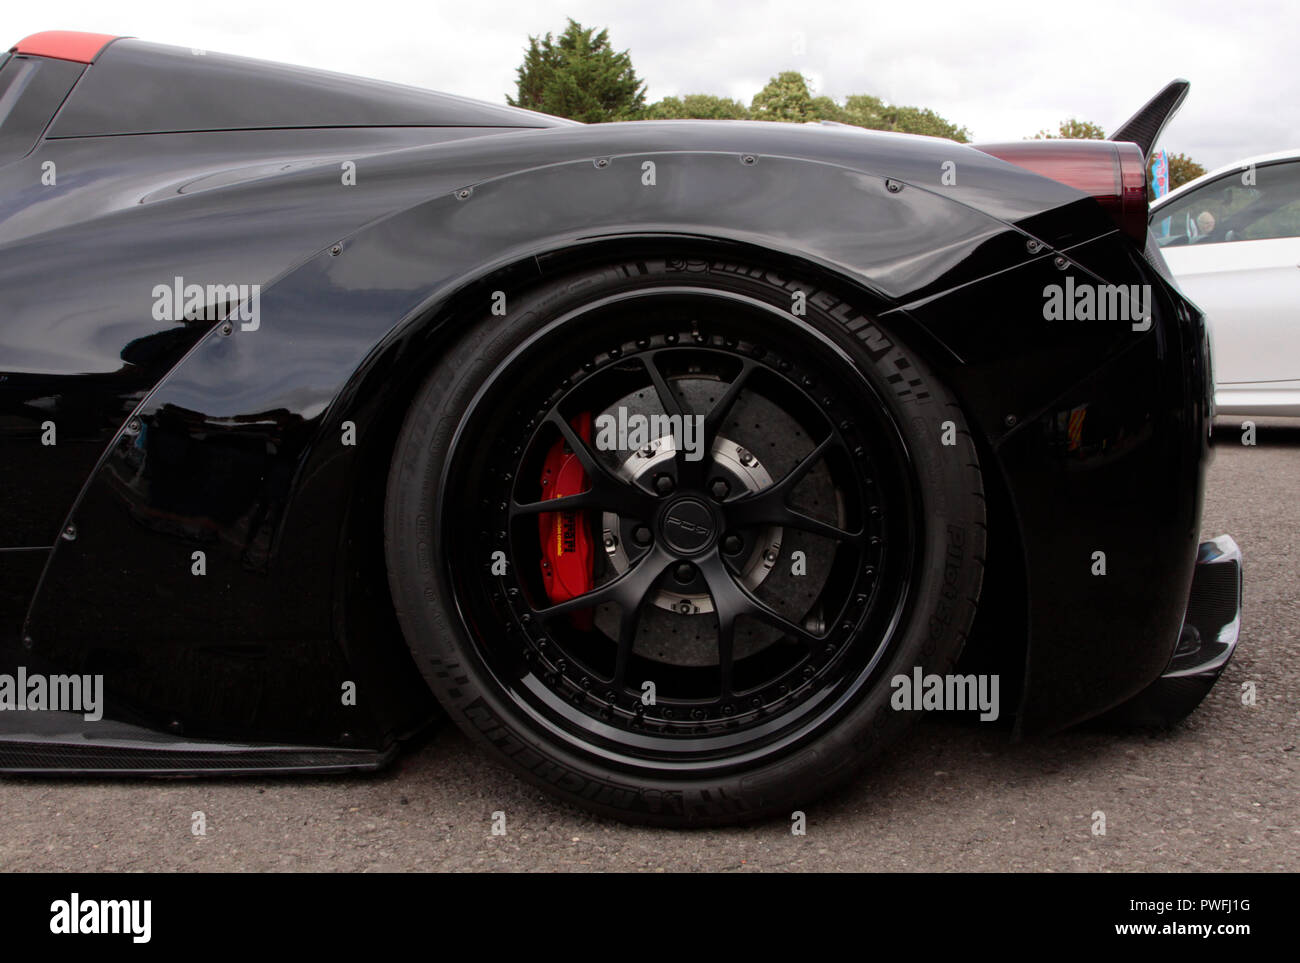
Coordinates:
x,y
661,542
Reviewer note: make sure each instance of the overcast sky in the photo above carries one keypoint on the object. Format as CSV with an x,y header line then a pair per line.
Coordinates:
x,y
1002,69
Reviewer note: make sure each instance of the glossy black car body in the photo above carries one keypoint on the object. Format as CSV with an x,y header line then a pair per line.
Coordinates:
x,y
376,220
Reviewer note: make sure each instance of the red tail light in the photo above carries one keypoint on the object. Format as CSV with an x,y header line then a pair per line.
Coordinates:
x,y
1112,172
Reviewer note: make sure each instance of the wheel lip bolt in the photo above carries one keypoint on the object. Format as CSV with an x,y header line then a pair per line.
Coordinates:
x,y
642,535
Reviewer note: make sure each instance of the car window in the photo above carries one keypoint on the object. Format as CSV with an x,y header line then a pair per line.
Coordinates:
x,y
1247,205
31,89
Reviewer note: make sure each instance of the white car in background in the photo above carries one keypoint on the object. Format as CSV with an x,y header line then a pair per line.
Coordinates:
x,y
1232,239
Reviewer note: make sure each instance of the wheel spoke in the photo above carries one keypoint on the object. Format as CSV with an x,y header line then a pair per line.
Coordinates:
x,y
565,503
796,474
628,591
726,650
713,421
697,473
672,405
770,507
607,490
590,463
731,601
685,472
629,617
806,523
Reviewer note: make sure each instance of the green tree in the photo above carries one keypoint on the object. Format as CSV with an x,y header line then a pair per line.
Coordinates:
x,y
864,110
1183,169
1073,129
579,76
696,107
786,97
823,108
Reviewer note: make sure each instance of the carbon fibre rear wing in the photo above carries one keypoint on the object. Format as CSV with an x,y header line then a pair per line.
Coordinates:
x,y
1144,127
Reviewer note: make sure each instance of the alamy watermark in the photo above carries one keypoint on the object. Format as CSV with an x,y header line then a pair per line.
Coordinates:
x,y
1098,302
633,431
179,301
24,692
946,693
77,916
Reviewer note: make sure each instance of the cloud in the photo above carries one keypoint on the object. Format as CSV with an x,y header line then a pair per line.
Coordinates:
x,y
1004,71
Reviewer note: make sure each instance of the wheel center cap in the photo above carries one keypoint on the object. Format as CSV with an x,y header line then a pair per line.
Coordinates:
x,y
688,526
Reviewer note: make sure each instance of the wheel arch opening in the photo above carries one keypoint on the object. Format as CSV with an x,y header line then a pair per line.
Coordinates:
x,y
380,399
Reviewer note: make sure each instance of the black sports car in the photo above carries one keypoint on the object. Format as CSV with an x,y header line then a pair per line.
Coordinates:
x,y
656,454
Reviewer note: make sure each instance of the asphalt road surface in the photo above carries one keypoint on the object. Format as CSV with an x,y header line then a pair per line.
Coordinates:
x,y
1221,792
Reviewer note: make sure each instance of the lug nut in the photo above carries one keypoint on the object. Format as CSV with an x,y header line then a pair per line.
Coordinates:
x,y
663,484
720,488
732,544
641,535
684,572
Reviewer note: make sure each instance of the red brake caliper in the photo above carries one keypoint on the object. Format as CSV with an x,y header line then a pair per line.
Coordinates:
x,y
567,563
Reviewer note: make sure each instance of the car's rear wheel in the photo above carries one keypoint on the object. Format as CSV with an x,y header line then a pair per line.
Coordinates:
x,y
660,539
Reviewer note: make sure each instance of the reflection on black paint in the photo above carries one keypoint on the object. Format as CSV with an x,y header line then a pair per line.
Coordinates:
x,y
87,410
187,475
